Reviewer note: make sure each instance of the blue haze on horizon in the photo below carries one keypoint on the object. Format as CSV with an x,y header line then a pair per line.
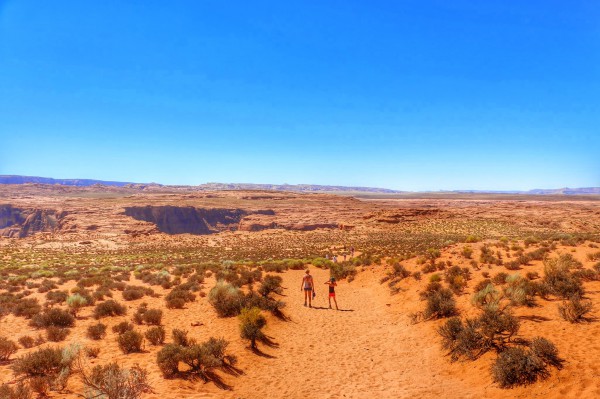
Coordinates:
x,y
408,95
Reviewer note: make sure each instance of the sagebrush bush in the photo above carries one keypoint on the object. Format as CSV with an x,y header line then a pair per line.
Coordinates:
x,y
520,291
179,296
575,310
43,362
40,385
96,331
156,335
500,278
7,348
75,302
153,317
56,334
546,350
456,278
487,297
130,342
109,308
53,318
133,292
251,324
462,340
226,299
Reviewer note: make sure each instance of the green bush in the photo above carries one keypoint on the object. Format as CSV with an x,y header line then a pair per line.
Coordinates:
x,y
168,359
75,302
270,284
440,304
180,338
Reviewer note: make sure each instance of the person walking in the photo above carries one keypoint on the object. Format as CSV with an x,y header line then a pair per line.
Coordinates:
x,y
308,286
332,284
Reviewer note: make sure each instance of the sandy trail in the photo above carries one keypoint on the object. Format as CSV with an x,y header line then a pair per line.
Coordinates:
x,y
356,352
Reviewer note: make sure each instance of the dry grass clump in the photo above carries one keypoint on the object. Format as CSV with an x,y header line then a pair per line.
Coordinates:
x,y
575,310
7,348
130,341
108,309
520,291
440,303
96,331
559,280
457,277
270,284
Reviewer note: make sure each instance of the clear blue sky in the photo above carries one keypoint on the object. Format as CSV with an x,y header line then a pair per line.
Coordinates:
x,y
413,95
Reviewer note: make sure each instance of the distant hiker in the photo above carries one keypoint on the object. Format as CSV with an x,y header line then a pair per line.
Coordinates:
x,y
332,284
344,256
334,258
327,256
352,251
308,285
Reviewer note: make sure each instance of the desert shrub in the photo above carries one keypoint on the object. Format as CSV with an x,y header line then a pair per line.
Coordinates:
x,y
226,299
92,351
270,284
456,278
593,256
133,292
7,348
122,327
130,341
574,310
532,275
75,302
178,297
517,366
27,307
497,327
109,308
440,304
40,385
56,334
43,362
546,350
558,278
180,337
342,270
156,335
56,297
435,278
487,298
417,275
467,252
252,299
168,359
27,341
487,256
471,239
482,284
202,358
461,340
500,278
519,290
251,323
152,317
429,268
112,381
20,391
513,265
96,331
53,317
138,316
586,275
